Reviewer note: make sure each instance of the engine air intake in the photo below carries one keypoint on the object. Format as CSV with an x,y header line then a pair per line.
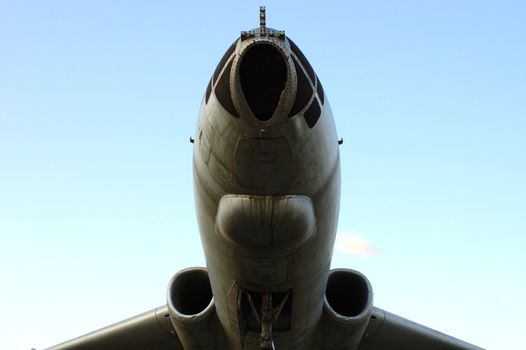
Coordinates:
x,y
190,292
348,293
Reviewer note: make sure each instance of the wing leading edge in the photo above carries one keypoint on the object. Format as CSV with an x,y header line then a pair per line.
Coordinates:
x,y
387,331
151,330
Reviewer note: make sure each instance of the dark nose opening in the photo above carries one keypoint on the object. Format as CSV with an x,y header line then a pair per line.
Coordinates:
x,y
263,75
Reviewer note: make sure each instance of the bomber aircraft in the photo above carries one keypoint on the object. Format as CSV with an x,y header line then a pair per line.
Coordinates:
x,y
266,168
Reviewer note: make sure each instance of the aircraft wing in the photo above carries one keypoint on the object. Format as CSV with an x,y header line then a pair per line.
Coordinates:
x,y
387,331
151,330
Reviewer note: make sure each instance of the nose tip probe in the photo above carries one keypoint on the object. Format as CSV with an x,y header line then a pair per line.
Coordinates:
x,y
262,19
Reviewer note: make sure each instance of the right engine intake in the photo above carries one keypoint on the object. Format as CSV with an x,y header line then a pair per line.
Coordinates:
x,y
346,310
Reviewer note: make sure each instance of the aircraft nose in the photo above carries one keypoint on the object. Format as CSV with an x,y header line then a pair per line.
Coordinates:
x,y
263,78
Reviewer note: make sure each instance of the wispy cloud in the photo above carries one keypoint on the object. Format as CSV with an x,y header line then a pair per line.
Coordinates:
x,y
353,244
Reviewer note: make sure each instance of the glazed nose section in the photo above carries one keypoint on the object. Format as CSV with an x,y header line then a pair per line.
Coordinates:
x,y
263,77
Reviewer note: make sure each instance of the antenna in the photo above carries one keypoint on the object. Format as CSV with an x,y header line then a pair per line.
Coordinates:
x,y
262,20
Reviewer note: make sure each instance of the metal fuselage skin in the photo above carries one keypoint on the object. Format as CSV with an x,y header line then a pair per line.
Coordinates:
x,y
267,191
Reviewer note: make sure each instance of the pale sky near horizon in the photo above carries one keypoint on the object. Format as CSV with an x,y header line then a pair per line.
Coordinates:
x,y
99,98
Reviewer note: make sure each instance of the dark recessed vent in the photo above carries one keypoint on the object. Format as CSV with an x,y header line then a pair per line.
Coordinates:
x,y
223,93
208,90
319,89
312,114
225,58
303,91
263,75
304,62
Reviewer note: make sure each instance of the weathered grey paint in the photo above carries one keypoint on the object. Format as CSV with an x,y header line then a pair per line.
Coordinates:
x,y
267,225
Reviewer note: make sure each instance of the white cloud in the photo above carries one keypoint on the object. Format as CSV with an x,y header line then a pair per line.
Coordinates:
x,y
353,244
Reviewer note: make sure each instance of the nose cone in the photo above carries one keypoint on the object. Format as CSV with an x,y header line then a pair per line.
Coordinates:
x,y
263,77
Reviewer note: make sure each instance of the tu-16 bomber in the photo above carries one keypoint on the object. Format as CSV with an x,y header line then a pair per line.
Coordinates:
x,y
266,168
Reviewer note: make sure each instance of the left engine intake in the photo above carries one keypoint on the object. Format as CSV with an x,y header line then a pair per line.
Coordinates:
x,y
192,310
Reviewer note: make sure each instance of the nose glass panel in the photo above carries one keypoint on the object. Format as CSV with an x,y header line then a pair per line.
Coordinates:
x,y
263,75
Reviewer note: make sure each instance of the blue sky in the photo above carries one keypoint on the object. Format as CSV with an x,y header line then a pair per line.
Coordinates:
x,y
98,100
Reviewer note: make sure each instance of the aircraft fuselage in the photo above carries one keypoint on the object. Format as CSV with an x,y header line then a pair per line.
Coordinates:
x,y
267,189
